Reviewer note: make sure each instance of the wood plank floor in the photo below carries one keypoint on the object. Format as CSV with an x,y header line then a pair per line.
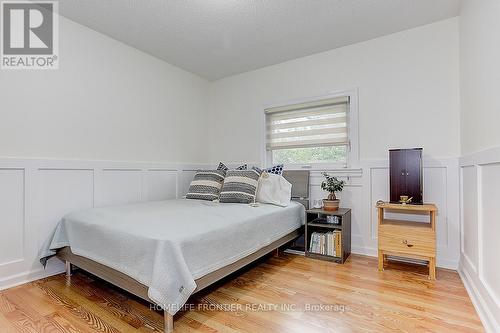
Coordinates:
x,y
279,294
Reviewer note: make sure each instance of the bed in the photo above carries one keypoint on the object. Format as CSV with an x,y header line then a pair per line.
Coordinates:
x,y
165,251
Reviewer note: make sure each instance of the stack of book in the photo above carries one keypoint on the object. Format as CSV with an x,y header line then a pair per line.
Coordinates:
x,y
328,243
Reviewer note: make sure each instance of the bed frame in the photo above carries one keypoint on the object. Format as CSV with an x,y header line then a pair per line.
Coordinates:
x,y
299,179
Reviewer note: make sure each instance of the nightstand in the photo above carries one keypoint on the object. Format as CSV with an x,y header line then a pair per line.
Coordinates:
x,y
401,238
329,241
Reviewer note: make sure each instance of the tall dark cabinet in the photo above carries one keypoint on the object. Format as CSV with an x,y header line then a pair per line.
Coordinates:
x,y
406,174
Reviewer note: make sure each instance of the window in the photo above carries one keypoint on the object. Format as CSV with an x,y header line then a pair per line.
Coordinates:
x,y
315,131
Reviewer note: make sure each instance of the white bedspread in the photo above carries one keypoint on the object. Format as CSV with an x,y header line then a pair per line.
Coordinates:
x,y
167,245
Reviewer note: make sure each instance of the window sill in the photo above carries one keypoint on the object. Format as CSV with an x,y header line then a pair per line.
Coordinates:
x,y
325,167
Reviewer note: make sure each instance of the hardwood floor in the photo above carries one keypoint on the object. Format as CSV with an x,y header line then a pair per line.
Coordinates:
x,y
285,294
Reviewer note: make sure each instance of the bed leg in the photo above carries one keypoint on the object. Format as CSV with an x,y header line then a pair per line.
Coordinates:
x,y
169,322
68,269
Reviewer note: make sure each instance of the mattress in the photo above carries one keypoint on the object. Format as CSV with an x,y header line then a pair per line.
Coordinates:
x,y
167,245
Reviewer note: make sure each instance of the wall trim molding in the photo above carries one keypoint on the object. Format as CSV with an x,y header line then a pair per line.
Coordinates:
x,y
39,192
136,177
479,302
82,164
487,156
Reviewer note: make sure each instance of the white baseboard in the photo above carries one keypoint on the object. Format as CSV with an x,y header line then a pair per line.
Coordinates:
x,y
448,264
366,251
491,325
55,267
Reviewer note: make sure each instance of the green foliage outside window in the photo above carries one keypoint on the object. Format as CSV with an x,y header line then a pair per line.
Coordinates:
x,y
333,154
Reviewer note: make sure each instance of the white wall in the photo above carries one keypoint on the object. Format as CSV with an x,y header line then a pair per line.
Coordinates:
x,y
125,105
408,97
480,163
408,94
107,101
480,74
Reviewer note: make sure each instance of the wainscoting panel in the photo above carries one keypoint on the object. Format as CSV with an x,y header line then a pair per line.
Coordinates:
x,y
160,185
480,247
60,192
489,231
379,190
440,181
435,191
12,216
469,204
118,186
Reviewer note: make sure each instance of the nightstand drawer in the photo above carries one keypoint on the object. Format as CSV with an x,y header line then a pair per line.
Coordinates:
x,y
422,244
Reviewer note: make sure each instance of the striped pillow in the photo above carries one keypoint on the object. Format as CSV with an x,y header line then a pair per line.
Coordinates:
x,y
206,185
239,186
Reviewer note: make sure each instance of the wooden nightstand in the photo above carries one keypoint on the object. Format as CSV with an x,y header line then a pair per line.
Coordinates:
x,y
341,231
415,240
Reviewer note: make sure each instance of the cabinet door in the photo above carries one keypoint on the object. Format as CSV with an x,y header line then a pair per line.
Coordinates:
x,y
397,161
414,174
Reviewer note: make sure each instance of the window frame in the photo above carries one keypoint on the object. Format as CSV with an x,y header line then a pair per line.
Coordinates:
x,y
352,158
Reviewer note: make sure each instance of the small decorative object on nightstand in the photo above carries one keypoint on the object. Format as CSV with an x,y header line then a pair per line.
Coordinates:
x,y
328,234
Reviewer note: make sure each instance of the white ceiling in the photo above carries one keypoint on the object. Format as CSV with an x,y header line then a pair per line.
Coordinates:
x,y
218,38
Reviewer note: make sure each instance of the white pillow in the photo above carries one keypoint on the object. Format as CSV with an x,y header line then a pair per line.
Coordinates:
x,y
274,189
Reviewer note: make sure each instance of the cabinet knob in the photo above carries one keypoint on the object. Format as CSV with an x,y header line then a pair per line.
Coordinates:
x,y
405,242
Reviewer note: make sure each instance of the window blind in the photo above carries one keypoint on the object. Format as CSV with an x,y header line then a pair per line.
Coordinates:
x,y
312,124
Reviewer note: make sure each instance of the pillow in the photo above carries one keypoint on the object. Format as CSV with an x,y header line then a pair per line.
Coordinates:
x,y
206,185
239,186
274,189
277,169
222,166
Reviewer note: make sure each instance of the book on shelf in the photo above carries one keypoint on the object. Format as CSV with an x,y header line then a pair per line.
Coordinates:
x,y
326,243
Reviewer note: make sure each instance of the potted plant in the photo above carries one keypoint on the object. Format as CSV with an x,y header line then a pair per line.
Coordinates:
x,y
332,185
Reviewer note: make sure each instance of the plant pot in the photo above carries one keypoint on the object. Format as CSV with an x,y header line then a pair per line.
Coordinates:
x,y
331,205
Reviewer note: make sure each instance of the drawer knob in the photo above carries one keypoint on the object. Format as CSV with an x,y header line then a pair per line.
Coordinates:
x,y
406,243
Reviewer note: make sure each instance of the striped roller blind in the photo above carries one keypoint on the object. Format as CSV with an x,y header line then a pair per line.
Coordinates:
x,y
313,124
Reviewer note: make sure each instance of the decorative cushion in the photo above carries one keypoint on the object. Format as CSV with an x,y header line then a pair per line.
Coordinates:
x,y
222,166
239,186
206,185
274,189
277,169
